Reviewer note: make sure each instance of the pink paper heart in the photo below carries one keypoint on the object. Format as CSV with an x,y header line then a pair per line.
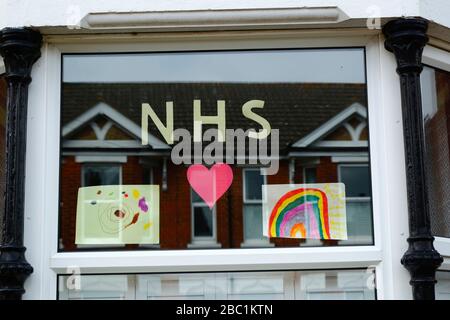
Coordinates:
x,y
210,184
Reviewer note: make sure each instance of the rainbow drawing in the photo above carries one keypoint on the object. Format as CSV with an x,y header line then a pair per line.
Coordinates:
x,y
314,211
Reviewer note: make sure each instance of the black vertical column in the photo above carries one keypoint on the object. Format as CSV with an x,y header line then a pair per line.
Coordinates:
x,y
20,48
406,38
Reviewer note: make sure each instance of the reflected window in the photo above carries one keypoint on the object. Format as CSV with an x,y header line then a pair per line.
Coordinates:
x,y
442,288
309,175
203,222
253,181
100,175
356,178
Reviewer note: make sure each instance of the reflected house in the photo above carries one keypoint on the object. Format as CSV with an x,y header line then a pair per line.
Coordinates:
x,y
323,138
437,135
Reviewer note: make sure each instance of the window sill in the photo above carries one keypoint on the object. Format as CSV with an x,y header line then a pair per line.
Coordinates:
x,y
257,243
204,245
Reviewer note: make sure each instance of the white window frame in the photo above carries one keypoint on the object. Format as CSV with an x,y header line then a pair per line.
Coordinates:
x,y
251,243
440,59
203,241
386,157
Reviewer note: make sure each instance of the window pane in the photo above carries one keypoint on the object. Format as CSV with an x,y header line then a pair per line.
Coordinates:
x,y
436,115
310,175
203,222
253,182
442,288
101,175
264,285
356,180
300,93
196,198
359,221
253,221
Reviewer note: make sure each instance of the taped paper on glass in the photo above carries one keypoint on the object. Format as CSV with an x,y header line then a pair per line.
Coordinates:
x,y
305,211
118,214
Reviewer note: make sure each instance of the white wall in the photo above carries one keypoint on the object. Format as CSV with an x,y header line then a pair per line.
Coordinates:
x,y
44,13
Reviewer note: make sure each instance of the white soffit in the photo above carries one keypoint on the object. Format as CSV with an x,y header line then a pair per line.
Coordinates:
x,y
213,19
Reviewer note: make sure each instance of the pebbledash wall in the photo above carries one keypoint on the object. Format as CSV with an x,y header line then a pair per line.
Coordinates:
x,y
133,26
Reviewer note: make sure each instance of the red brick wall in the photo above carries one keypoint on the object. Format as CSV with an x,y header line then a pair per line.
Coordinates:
x,y
70,182
326,171
175,209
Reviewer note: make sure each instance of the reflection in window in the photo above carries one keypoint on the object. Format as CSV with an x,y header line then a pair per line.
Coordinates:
x,y
253,181
203,223
356,178
442,288
266,285
101,175
309,175
316,98
436,117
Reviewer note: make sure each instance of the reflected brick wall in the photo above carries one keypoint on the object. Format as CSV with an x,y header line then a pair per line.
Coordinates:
x,y
438,157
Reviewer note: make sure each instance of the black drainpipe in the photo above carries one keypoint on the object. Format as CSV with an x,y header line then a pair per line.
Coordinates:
x,y
20,48
406,38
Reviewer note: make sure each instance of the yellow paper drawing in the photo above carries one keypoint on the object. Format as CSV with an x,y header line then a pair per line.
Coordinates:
x,y
118,214
305,211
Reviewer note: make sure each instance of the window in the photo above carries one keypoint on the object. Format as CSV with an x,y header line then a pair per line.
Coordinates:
x,y
442,289
320,116
252,193
203,223
100,112
100,175
436,115
356,178
309,175
288,285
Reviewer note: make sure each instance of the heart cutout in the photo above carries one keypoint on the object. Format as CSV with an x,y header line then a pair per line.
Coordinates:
x,y
210,184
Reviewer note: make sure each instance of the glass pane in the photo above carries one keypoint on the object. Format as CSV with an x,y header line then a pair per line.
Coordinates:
x,y
196,198
210,116
203,222
356,180
310,175
359,221
101,175
442,288
264,285
253,221
104,287
253,182
436,115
